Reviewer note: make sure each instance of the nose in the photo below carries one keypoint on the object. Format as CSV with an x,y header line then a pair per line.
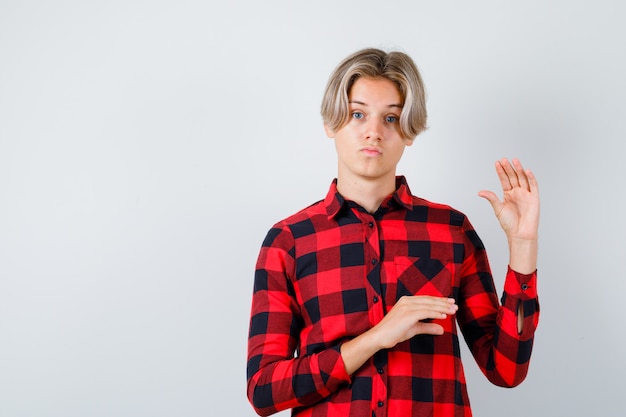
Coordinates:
x,y
374,129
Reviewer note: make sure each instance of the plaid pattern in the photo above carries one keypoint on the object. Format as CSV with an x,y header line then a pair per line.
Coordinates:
x,y
332,271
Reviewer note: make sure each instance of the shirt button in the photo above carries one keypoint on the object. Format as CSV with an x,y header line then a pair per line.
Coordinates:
x,y
380,370
375,299
374,261
380,403
524,287
371,224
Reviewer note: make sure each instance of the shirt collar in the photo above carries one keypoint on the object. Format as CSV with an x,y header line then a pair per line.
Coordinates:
x,y
335,202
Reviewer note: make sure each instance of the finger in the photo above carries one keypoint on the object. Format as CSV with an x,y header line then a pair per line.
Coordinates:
x,y
429,328
428,307
504,178
533,186
521,174
491,197
510,173
426,299
445,304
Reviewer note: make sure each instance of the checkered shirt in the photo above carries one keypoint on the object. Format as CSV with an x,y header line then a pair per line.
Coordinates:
x,y
332,271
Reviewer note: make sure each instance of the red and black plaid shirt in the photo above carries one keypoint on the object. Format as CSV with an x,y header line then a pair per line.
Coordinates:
x,y
333,270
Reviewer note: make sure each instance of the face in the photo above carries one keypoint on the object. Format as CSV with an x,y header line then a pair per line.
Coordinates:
x,y
370,145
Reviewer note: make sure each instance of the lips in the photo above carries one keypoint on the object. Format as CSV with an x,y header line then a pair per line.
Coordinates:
x,y
372,151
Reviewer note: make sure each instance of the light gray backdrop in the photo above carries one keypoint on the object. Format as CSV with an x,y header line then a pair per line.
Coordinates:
x,y
146,147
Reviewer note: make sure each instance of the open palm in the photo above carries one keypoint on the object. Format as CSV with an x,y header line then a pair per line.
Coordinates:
x,y
518,212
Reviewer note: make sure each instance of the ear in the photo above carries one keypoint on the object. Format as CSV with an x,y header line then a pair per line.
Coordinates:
x,y
409,141
329,132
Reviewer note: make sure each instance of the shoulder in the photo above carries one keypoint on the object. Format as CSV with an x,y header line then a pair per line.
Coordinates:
x,y
303,222
308,213
434,212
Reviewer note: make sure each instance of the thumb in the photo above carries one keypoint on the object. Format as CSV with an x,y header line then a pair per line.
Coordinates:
x,y
492,198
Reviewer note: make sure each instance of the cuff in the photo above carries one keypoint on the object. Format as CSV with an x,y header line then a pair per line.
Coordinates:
x,y
523,286
332,369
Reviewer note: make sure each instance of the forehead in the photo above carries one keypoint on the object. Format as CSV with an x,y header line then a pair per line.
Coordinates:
x,y
368,90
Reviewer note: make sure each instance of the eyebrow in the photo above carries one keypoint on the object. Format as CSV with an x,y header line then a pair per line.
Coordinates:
x,y
365,104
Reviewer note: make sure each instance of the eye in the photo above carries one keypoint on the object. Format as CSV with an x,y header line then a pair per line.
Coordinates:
x,y
391,119
357,115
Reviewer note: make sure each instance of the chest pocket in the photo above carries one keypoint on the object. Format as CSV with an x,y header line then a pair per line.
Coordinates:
x,y
423,276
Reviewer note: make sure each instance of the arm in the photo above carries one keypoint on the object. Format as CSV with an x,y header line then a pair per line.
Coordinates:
x,y
277,379
518,215
501,336
492,330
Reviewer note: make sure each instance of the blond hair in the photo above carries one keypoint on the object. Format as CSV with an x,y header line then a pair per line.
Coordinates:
x,y
395,66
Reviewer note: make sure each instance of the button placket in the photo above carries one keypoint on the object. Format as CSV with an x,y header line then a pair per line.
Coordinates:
x,y
372,266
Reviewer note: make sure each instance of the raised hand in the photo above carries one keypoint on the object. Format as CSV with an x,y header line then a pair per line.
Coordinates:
x,y
518,212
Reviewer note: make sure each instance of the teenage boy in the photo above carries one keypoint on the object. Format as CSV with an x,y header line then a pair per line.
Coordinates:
x,y
357,297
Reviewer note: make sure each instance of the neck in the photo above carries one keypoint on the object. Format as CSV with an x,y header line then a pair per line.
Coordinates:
x,y
369,194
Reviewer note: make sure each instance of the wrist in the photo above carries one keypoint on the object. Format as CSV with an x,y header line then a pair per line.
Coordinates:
x,y
523,255
359,350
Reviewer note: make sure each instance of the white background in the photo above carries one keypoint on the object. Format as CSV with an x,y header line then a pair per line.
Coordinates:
x,y
146,147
